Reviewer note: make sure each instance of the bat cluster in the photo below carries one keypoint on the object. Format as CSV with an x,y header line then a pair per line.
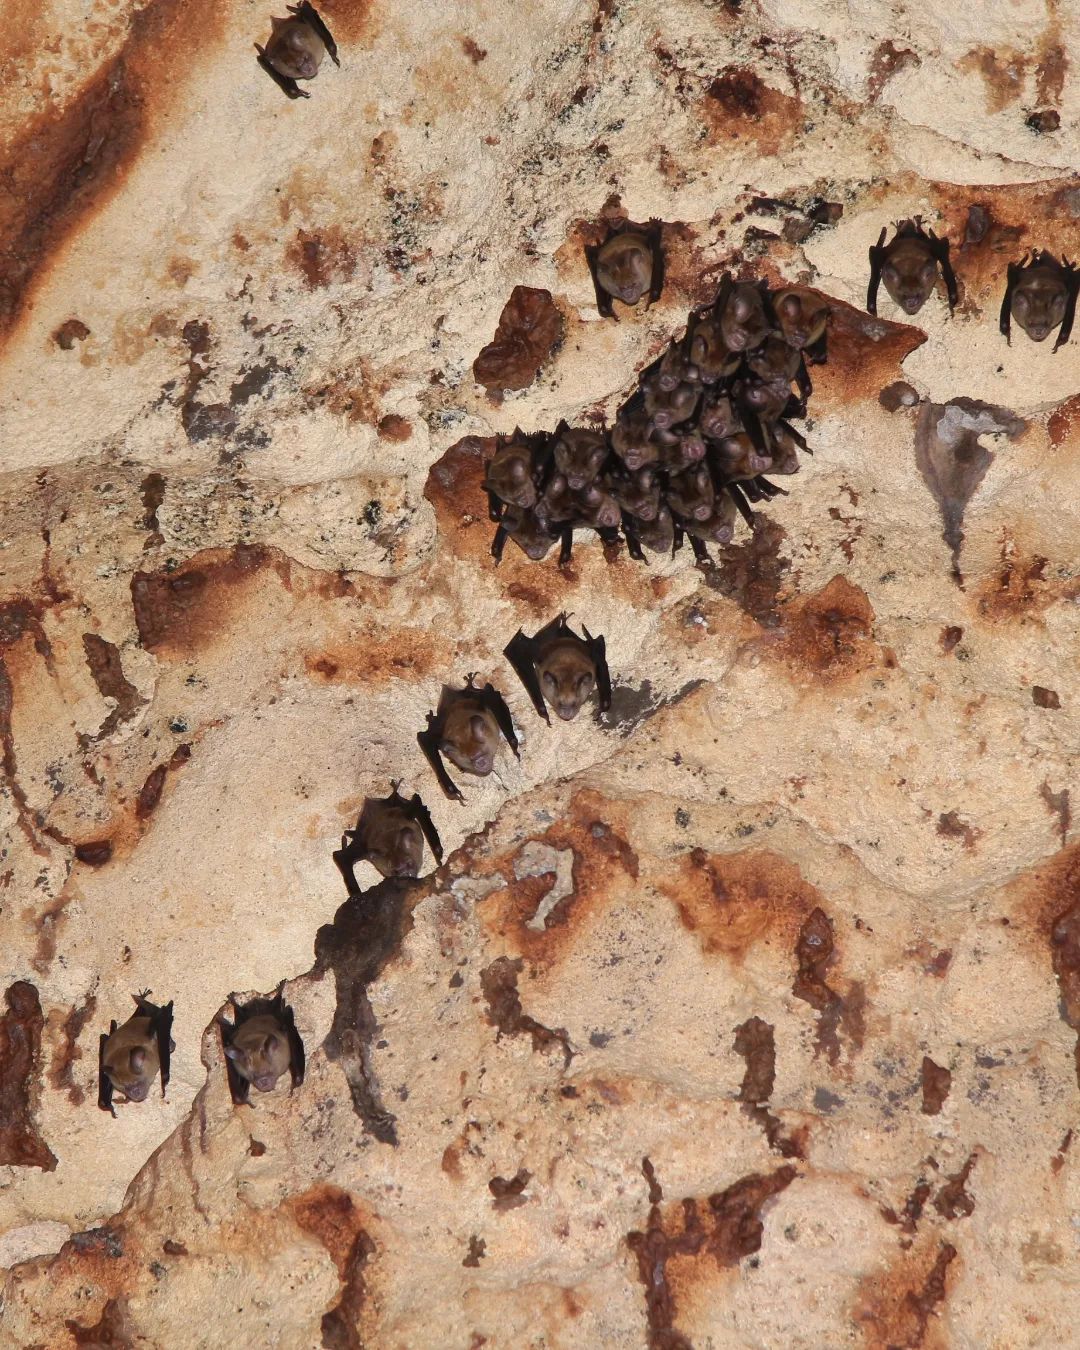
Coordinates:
x,y
690,448
259,1044
1040,291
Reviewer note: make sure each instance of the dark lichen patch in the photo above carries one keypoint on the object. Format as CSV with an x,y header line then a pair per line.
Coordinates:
x,y
103,660
1020,587
70,332
475,1254
952,1200
1065,951
733,900
952,461
94,852
332,1218
908,1218
322,258
815,949
1057,803
724,1229
20,1051
936,1082
950,638
950,826
499,984
1045,698
62,1070
365,936
753,573
509,1192
898,395
252,382
529,327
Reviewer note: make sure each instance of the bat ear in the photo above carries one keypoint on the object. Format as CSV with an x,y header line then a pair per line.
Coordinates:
x,y
137,1059
741,308
231,1052
270,1044
477,724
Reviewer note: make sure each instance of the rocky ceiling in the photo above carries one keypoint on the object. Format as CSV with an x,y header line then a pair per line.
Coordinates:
x,y
743,1016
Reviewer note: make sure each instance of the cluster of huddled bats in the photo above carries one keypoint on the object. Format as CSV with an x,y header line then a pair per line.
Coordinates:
x,y
559,669
711,417
688,450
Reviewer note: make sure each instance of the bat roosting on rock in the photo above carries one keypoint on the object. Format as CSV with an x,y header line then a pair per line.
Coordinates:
x,y
390,835
131,1056
260,1043
561,669
296,49
466,728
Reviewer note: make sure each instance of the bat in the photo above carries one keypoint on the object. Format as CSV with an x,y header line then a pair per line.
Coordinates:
x,y
559,668
466,728
260,1044
627,265
908,265
390,835
130,1056
296,49
1040,294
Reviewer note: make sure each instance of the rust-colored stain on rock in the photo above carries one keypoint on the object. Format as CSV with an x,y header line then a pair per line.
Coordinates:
x,y
740,106
20,1050
331,1216
827,635
896,1306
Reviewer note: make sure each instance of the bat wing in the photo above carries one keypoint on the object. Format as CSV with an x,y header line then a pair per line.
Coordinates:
x,y
566,547
941,253
239,1087
105,1087
653,233
284,82
598,652
1072,281
521,652
429,743
297,1059
422,816
314,20
1005,318
345,859
722,294
603,300
162,1025
494,702
877,257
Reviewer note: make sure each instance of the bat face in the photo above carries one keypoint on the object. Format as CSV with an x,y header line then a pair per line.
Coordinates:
x,y
743,324
295,50
599,508
658,535
639,495
675,367
909,272
691,494
632,443
510,475
776,360
529,532
668,407
624,267
580,455
470,738
567,677
802,318
718,419
395,844
1039,301
765,398
130,1058
785,455
260,1052
740,458
719,527
709,352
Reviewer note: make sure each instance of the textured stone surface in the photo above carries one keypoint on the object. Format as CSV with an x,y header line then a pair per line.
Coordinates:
x,y
600,1081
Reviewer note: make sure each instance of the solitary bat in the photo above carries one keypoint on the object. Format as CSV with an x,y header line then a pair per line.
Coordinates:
x,y
1040,294
908,265
296,49
466,728
629,263
260,1043
558,666
390,835
129,1057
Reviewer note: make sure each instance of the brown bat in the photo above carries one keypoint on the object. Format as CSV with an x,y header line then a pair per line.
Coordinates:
x,y
513,473
390,835
668,407
658,535
466,728
803,318
740,307
579,454
638,494
1040,294
132,1056
260,1044
296,49
691,494
908,265
627,265
706,349
558,666
682,451
534,534
631,436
